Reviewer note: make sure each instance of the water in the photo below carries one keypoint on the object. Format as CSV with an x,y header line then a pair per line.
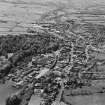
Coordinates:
x,y
6,90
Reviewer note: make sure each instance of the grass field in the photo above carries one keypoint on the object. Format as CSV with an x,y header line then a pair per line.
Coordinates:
x,y
6,90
